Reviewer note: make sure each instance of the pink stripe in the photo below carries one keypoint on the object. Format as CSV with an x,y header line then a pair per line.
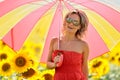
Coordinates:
x,y
111,15
95,42
9,5
23,28
53,32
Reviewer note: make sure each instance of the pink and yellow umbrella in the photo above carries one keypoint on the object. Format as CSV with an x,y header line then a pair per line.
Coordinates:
x,y
18,18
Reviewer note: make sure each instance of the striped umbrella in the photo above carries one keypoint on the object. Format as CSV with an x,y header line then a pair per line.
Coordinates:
x,y
18,18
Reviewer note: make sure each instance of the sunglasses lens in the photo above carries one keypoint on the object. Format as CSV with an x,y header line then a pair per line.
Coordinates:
x,y
70,20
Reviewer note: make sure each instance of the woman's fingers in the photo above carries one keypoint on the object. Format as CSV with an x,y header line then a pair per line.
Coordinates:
x,y
57,59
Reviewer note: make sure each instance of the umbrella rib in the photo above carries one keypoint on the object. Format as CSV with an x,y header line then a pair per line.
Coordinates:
x,y
12,38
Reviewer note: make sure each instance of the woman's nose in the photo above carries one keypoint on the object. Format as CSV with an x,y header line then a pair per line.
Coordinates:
x,y
70,23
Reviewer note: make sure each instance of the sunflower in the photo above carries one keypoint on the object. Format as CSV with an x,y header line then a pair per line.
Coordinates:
x,y
2,45
33,58
31,74
9,50
113,57
21,62
47,74
4,55
5,68
34,61
117,60
99,67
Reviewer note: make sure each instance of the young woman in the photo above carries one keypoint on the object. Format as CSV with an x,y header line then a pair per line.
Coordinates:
x,y
73,50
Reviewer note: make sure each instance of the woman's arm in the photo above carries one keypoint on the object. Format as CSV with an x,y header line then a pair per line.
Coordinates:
x,y
50,63
85,60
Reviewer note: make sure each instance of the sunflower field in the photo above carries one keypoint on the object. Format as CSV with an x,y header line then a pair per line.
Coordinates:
x,y
25,63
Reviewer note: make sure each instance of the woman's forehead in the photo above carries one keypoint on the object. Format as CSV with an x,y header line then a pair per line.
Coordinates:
x,y
74,16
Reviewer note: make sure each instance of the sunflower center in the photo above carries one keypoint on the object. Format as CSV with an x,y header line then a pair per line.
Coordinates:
x,y
117,54
48,77
3,44
3,56
6,67
112,59
119,59
97,64
20,61
28,73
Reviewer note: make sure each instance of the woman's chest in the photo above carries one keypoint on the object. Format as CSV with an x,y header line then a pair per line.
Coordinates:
x,y
69,46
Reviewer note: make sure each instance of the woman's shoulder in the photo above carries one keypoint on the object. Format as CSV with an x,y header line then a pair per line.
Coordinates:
x,y
54,40
85,46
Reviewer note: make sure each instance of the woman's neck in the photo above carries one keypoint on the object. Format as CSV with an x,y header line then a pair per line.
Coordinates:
x,y
69,37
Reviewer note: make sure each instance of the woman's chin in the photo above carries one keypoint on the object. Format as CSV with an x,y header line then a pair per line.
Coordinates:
x,y
71,30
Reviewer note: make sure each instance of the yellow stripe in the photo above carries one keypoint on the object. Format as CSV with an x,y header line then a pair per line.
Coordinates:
x,y
10,19
107,32
40,30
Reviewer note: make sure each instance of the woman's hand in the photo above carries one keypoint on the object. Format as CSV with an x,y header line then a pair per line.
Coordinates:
x,y
57,59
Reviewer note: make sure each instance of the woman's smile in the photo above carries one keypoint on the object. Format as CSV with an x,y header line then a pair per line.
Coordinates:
x,y
70,27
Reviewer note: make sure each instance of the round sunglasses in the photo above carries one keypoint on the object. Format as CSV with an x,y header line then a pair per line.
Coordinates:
x,y
75,22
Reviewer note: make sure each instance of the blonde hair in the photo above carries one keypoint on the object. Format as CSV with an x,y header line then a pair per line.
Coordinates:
x,y
83,22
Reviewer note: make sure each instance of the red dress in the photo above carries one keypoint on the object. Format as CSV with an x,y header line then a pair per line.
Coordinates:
x,y
71,68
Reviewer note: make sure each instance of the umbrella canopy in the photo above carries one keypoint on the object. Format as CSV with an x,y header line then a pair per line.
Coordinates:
x,y
20,16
